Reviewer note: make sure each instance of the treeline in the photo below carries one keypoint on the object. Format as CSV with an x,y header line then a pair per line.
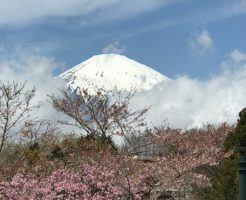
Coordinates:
x,y
38,161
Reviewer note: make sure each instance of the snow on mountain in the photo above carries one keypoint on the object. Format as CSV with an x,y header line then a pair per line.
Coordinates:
x,y
112,71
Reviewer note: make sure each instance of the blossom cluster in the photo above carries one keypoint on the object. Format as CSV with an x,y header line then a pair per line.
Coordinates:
x,y
107,174
94,179
64,184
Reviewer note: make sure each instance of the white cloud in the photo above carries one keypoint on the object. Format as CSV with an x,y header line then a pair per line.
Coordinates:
x,y
12,12
204,40
238,56
37,71
201,42
187,103
233,8
114,48
184,103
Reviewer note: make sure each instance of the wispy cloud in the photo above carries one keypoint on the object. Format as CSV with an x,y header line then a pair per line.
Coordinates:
x,y
235,60
235,8
12,12
204,40
201,42
238,56
114,47
226,10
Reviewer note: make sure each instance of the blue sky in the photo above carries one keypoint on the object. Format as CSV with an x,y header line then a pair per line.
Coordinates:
x,y
200,45
175,37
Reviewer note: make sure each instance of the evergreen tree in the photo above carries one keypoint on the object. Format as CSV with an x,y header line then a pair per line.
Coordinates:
x,y
225,180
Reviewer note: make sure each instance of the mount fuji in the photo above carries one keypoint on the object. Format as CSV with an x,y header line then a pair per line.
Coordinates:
x,y
110,72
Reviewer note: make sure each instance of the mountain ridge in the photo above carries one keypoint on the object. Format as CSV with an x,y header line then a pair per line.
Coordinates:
x,y
112,71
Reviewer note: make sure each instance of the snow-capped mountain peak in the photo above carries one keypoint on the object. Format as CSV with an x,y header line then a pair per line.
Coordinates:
x,y
112,71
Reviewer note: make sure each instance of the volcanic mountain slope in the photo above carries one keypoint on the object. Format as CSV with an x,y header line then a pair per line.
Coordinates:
x,y
110,72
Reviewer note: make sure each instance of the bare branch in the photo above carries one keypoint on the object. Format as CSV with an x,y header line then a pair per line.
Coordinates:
x,y
14,107
102,115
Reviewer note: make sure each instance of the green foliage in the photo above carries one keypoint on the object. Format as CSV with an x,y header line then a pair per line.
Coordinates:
x,y
230,142
88,142
34,147
224,182
57,153
239,133
32,153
